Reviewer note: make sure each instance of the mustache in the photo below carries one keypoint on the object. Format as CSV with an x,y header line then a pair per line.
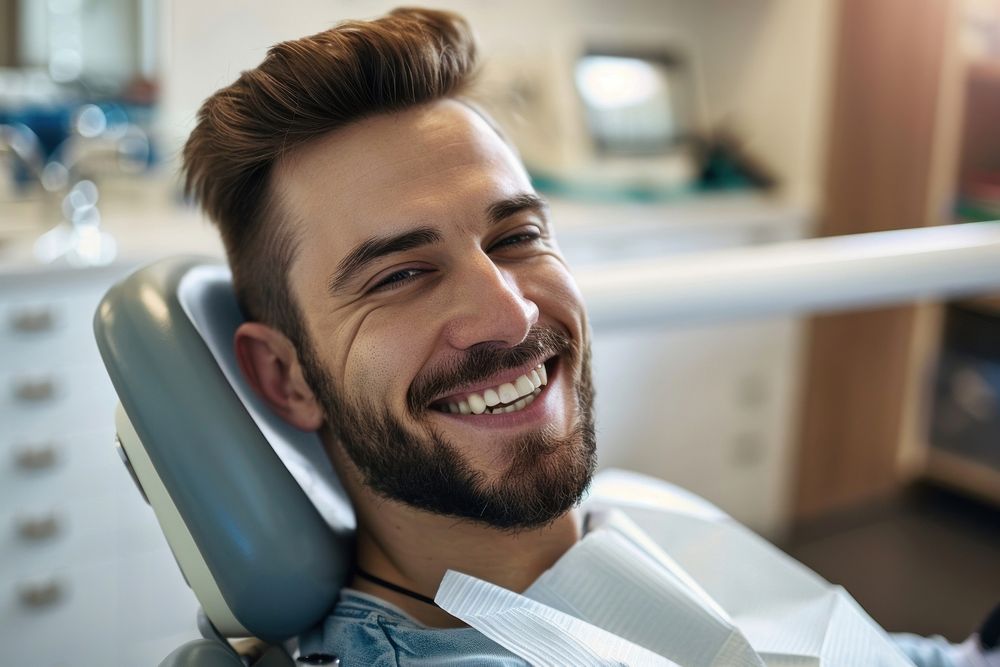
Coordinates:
x,y
484,361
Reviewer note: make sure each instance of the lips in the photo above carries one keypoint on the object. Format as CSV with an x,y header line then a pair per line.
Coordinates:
x,y
503,397
503,394
485,369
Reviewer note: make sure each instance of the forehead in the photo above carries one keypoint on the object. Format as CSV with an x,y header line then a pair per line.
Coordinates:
x,y
434,165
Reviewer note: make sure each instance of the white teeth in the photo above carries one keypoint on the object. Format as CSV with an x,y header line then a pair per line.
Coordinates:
x,y
477,404
491,397
508,397
508,394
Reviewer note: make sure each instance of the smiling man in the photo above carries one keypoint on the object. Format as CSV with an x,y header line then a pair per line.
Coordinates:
x,y
445,339
405,297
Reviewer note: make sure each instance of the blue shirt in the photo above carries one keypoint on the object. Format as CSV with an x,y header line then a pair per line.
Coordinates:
x,y
365,630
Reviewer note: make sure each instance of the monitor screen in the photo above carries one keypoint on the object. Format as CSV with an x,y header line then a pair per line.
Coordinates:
x,y
634,104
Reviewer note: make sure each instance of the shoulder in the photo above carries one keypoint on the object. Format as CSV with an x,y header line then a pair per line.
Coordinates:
x,y
363,630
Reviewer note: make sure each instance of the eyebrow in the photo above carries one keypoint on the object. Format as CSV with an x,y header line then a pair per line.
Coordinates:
x,y
505,208
377,247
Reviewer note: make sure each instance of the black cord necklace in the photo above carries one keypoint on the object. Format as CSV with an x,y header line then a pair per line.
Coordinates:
x,y
379,581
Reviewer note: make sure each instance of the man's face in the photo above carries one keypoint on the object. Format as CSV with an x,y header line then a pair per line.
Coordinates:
x,y
431,288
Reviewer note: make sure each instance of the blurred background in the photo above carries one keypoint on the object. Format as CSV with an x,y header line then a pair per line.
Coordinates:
x,y
867,444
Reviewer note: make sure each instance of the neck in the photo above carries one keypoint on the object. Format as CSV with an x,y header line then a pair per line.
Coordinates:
x,y
413,549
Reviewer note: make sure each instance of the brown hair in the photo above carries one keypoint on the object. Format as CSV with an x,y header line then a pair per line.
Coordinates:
x,y
305,88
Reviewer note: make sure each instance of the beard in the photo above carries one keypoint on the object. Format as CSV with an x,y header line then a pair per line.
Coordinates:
x,y
547,473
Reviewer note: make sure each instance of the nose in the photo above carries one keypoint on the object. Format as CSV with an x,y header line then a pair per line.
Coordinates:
x,y
488,306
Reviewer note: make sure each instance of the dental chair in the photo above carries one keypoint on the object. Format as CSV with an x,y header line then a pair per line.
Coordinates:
x,y
253,512
255,516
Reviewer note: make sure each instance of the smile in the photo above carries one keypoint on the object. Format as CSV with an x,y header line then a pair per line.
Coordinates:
x,y
506,397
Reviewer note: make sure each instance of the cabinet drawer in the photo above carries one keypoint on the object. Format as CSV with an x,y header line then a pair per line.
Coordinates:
x,y
55,332
40,537
52,467
67,616
129,612
55,400
710,408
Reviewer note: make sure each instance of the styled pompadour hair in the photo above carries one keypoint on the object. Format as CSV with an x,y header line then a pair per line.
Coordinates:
x,y
303,89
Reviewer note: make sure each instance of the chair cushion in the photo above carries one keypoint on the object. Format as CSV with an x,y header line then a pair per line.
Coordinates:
x,y
277,559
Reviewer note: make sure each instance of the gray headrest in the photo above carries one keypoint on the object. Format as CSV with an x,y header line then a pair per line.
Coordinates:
x,y
259,498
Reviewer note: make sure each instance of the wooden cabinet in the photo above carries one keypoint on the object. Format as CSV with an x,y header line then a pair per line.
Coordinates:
x,y
910,117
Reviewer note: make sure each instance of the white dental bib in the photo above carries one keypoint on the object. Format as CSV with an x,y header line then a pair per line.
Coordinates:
x,y
663,578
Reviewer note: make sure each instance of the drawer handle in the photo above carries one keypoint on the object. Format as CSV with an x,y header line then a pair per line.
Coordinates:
x,y
32,320
35,390
36,457
36,529
41,594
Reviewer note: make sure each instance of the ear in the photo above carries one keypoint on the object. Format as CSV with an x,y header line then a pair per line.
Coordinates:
x,y
270,364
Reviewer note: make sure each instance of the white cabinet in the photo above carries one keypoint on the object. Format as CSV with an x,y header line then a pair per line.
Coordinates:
x,y
86,577
711,408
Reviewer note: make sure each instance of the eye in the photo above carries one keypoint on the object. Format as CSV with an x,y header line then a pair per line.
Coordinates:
x,y
397,279
519,239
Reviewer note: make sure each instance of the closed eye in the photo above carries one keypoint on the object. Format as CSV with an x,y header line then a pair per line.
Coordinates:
x,y
514,240
401,277
397,279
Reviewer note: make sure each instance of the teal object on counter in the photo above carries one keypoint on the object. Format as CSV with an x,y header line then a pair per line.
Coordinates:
x,y
637,192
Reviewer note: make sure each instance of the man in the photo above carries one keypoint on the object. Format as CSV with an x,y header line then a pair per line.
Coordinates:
x,y
405,298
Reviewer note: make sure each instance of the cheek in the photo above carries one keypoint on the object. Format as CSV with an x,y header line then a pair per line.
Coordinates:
x,y
360,363
384,358
558,296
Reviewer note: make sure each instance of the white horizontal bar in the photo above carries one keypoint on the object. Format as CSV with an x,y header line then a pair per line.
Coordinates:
x,y
797,277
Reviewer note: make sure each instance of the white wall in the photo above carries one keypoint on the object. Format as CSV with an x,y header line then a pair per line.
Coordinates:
x,y
761,65
766,70
207,45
